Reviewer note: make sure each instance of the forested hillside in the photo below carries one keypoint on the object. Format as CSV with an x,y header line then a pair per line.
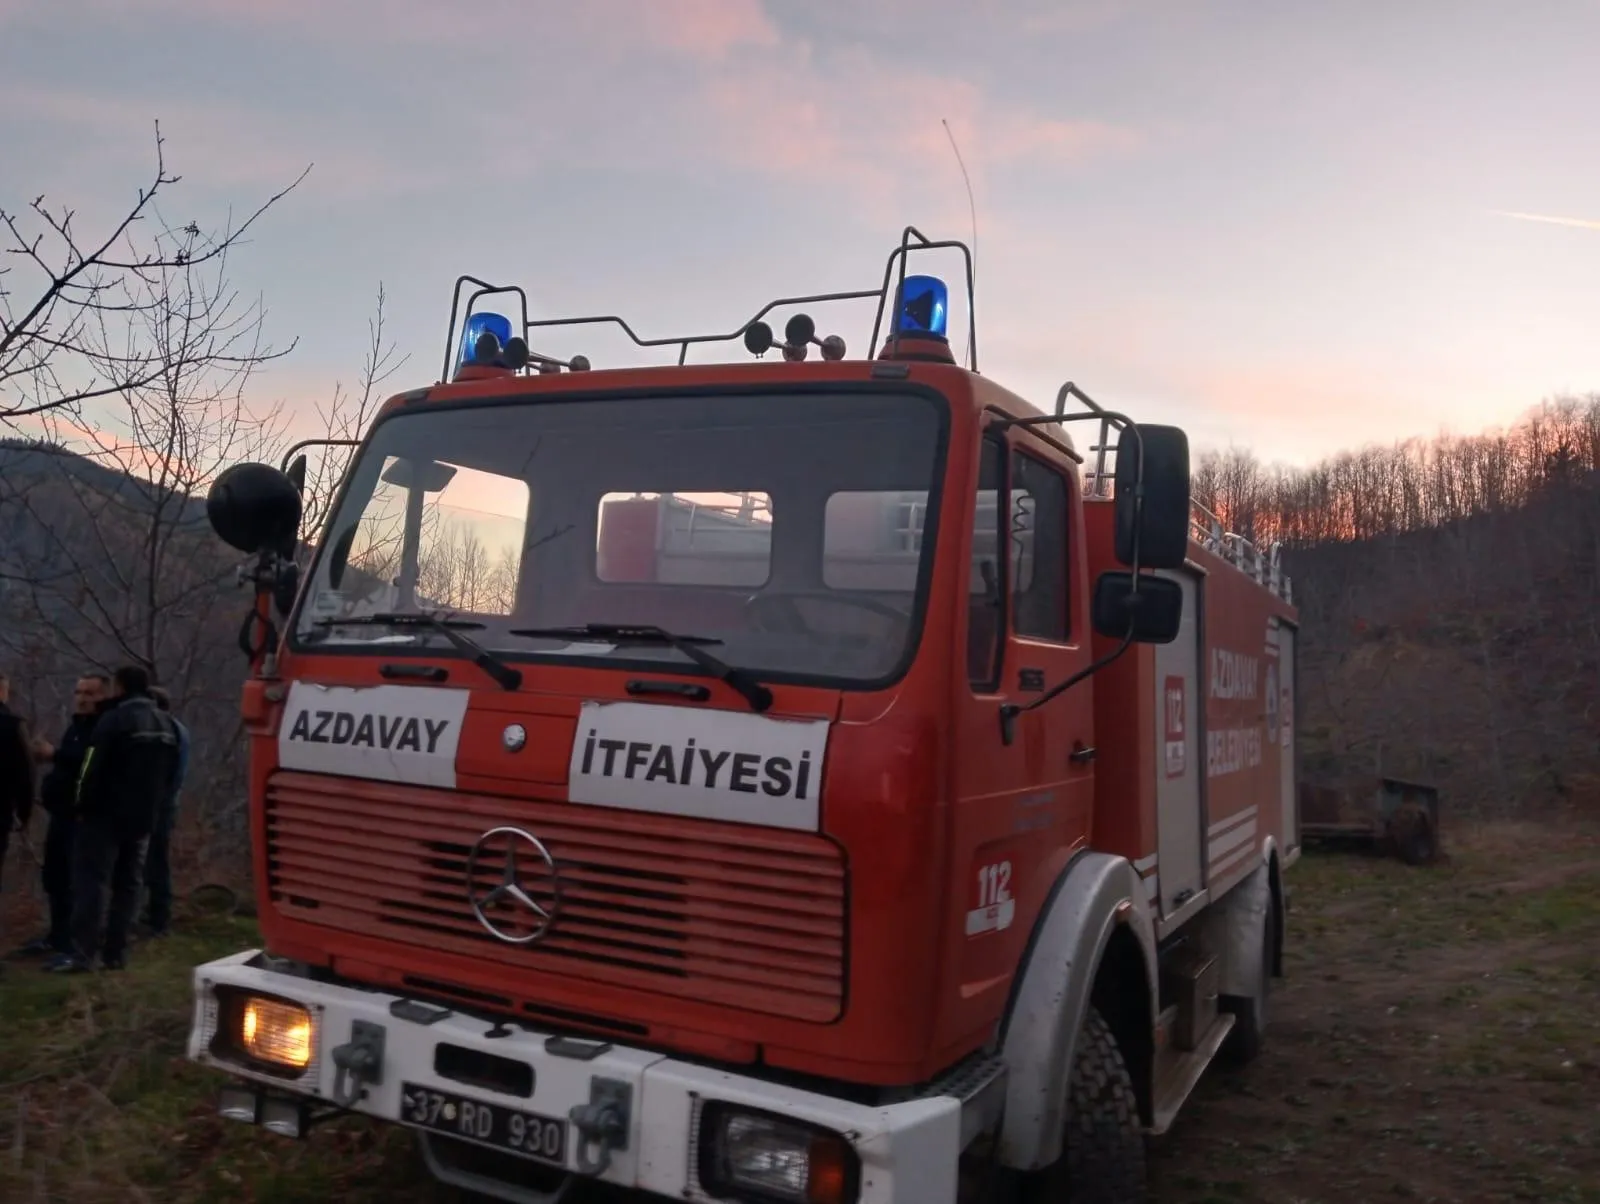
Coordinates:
x,y
1450,593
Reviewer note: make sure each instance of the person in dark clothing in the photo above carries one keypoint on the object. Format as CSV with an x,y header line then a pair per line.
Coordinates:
x,y
158,857
16,771
127,775
58,795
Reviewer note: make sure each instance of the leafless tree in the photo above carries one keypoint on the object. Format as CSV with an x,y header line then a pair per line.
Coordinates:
x,y
123,559
456,569
1413,485
458,572
345,417
1448,593
73,305
106,555
114,561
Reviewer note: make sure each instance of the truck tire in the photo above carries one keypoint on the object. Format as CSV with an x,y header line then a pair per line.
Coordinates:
x,y
1102,1154
1250,1011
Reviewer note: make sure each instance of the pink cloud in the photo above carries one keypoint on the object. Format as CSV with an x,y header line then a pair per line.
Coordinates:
x,y
1304,408
674,81
701,28
847,118
230,147
1018,137
850,105
1080,16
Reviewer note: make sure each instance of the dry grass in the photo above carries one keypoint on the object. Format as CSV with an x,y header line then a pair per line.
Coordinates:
x,y
1436,1041
98,1104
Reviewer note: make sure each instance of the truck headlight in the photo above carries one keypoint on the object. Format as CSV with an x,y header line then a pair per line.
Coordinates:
x,y
770,1159
276,1034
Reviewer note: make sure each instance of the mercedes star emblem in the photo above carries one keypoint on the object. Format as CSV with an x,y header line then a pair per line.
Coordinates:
x,y
514,737
527,870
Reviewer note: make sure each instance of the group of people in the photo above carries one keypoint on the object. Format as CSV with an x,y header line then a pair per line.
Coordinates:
x,y
110,787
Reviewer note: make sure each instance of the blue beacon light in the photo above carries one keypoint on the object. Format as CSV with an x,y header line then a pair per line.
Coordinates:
x,y
924,307
477,325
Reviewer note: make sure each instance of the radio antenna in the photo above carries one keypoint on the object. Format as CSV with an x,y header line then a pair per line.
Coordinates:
x,y
972,211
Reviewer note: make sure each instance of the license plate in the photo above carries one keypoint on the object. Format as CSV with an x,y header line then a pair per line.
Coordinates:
x,y
525,1133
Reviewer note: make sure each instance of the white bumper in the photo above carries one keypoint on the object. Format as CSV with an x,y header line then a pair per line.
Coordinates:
x,y
908,1151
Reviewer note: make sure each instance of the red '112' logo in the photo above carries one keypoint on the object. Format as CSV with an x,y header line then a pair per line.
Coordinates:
x,y
1175,726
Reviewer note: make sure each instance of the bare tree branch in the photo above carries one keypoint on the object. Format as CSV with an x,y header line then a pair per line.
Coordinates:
x,y
57,350
347,416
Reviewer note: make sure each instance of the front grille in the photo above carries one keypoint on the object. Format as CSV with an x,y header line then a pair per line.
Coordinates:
x,y
739,916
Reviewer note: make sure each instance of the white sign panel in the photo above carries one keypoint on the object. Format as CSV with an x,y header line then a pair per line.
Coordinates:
x,y
386,733
996,908
727,765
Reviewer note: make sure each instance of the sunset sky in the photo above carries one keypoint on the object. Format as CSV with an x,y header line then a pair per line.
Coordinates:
x,y
1286,225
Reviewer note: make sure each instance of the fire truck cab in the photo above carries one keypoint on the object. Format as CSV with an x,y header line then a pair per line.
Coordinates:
x,y
796,781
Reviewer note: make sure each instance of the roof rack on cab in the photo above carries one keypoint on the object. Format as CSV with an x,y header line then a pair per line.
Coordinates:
x,y
917,332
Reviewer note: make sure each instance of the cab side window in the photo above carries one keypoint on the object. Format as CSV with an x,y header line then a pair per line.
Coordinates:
x,y
986,615
1040,511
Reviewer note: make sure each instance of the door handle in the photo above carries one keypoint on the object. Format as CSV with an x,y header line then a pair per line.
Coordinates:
x,y
1081,755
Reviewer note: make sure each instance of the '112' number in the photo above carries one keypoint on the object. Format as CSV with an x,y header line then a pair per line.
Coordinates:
x,y
994,884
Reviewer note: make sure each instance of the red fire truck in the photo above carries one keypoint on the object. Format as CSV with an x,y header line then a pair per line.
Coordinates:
x,y
806,780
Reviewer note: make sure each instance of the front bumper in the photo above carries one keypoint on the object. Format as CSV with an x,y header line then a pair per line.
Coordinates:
x,y
908,1151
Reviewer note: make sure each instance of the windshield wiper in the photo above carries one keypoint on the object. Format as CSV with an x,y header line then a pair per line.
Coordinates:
x,y
507,677
692,646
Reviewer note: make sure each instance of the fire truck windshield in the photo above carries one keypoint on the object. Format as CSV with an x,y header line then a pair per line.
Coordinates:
x,y
792,529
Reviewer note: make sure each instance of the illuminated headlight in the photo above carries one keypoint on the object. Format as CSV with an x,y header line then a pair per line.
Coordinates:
x,y
275,1034
769,1159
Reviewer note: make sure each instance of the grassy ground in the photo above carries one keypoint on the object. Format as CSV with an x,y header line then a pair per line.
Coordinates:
x,y
1438,1039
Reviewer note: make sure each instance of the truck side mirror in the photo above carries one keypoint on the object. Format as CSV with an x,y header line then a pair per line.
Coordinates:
x,y
1151,606
1159,531
254,508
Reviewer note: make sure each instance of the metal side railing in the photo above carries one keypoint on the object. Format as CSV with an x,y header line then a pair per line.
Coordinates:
x,y
1206,528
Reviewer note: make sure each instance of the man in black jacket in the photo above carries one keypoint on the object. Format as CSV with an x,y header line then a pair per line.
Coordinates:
x,y
128,774
58,795
16,771
158,855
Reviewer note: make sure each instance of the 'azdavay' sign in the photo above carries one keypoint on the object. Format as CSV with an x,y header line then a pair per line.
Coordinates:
x,y
387,733
727,765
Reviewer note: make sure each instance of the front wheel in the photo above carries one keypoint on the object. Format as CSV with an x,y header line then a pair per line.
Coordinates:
x,y
1102,1154
1250,1011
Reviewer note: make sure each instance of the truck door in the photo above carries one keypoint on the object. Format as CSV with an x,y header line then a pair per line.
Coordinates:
x,y
1180,800
1019,807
